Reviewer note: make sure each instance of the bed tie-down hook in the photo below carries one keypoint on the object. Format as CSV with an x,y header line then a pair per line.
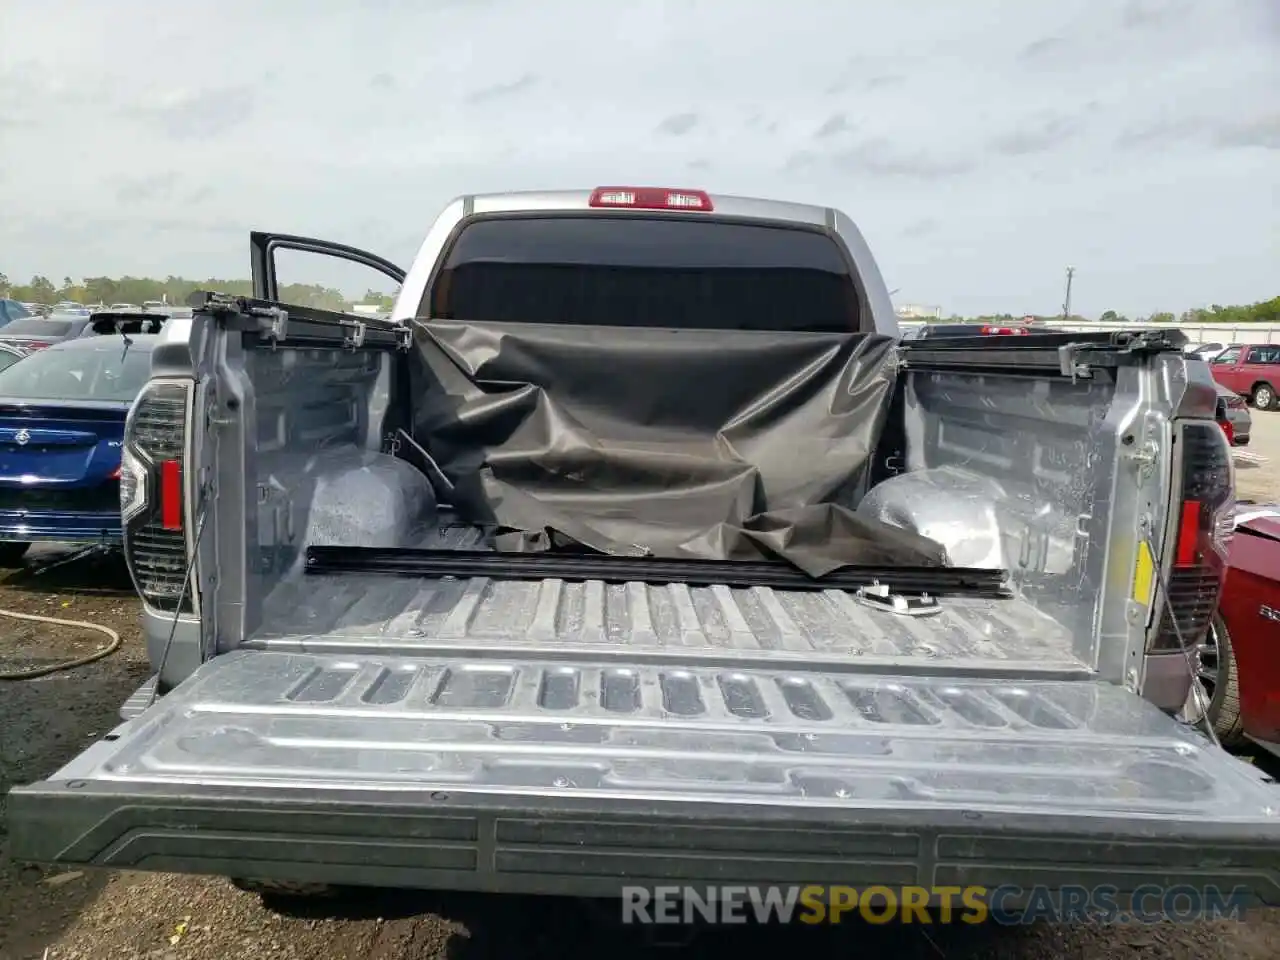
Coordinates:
x,y
878,596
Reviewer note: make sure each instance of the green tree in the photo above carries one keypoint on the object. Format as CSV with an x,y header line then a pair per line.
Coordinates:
x,y
4,285
43,290
101,290
385,301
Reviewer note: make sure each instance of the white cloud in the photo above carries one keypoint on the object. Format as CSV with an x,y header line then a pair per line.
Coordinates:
x,y
981,146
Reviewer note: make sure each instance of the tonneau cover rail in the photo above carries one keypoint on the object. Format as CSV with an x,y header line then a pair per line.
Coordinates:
x,y
1063,353
937,581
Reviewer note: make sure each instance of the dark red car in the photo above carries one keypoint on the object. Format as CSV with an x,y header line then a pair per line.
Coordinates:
x,y
1240,660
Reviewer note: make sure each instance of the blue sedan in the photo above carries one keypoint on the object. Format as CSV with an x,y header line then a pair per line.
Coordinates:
x,y
62,415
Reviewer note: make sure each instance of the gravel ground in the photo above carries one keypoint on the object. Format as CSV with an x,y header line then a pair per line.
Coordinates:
x,y
94,916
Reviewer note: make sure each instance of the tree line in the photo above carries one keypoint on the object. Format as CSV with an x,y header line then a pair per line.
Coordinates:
x,y
1264,311
175,290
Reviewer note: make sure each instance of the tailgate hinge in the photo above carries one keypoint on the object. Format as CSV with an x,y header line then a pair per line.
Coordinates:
x,y
355,339
404,338
879,597
1069,362
277,325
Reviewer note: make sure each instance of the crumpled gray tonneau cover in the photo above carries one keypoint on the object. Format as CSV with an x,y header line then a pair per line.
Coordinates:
x,y
687,443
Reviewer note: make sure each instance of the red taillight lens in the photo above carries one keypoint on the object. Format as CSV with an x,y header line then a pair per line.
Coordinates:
x,y
115,474
650,198
1229,430
171,495
991,331
1187,553
36,344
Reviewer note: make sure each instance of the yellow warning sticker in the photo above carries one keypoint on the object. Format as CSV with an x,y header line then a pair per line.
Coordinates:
x,y
1144,571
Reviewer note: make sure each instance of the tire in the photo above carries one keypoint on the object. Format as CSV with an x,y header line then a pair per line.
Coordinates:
x,y
1224,704
1264,396
12,552
282,891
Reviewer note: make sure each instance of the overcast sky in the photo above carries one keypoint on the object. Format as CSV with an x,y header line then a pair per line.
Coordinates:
x,y
981,145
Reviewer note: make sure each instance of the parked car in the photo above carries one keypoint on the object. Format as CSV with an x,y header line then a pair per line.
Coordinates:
x,y
62,415
36,333
123,307
1239,665
656,554
1205,351
11,310
1251,370
1233,416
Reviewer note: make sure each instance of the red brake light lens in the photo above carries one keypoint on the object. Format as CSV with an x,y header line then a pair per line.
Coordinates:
x,y
115,474
650,198
1189,530
991,331
171,495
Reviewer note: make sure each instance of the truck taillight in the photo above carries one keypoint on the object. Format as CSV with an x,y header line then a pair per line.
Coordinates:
x,y
650,198
991,331
153,498
1200,534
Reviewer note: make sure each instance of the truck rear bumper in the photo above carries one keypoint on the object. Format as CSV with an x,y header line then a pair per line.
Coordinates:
x,y
576,777
512,844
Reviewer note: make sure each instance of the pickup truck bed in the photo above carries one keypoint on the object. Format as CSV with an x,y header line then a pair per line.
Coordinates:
x,y
403,616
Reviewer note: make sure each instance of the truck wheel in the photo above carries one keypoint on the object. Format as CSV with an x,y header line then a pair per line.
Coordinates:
x,y
282,891
11,553
1220,680
1264,396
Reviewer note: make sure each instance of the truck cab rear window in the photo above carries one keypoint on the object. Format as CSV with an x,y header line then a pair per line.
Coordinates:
x,y
647,272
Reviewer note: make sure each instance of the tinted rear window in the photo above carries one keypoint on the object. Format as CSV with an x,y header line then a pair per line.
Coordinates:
x,y
106,372
631,271
37,327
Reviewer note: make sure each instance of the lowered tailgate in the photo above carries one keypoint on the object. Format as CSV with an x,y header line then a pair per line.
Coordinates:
x,y
577,777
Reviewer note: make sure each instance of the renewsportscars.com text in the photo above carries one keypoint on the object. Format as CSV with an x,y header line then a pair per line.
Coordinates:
x,y
1006,905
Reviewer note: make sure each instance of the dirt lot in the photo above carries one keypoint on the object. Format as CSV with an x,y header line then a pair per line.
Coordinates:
x,y
87,915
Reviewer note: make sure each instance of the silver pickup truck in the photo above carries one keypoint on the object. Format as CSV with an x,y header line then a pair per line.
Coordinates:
x,y
637,548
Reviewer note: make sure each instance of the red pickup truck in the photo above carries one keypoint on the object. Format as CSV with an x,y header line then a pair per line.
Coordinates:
x,y
1251,370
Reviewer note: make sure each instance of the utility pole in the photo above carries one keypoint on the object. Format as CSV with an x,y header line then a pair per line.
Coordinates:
x,y
1066,304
